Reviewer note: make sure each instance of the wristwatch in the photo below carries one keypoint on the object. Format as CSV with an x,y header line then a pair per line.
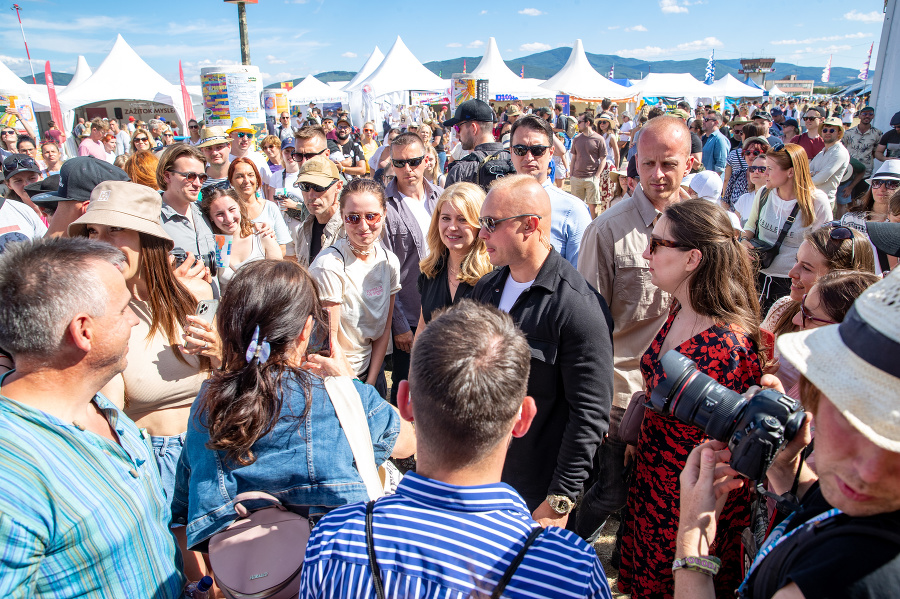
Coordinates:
x,y
560,504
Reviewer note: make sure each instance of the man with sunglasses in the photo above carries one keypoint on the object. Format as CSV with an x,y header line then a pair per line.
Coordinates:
x,y
830,165
862,139
242,134
283,130
473,123
811,141
531,139
410,200
354,161
889,144
320,183
568,326
763,120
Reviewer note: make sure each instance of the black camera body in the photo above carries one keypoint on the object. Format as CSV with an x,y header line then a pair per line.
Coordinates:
x,y
755,428
209,259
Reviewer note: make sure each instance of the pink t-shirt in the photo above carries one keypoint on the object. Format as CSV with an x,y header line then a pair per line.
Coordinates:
x,y
89,147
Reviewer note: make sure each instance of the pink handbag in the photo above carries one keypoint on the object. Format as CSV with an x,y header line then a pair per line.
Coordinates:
x,y
261,554
630,429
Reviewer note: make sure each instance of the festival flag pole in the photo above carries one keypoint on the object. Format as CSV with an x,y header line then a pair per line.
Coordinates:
x,y
826,74
523,71
464,66
16,8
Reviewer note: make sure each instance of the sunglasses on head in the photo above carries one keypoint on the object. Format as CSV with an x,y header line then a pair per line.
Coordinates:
x,y
840,234
655,242
536,151
372,218
890,184
191,176
412,162
490,223
221,185
313,187
805,314
242,135
299,156
758,169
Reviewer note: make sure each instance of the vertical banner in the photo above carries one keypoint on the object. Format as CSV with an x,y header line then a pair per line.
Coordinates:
x,y
185,96
563,101
55,110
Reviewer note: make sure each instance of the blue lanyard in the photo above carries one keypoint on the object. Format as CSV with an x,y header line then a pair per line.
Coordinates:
x,y
777,537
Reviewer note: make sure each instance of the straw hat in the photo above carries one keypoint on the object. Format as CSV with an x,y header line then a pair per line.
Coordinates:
x,y
213,136
241,124
855,363
123,204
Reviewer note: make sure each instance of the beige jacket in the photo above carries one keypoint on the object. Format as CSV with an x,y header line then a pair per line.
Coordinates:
x,y
303,235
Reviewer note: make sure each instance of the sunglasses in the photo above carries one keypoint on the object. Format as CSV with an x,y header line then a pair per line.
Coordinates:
x,y
372,218
753,153
891,185
490,223
191,176
810,118
806,315
738,131
193,126
300,156
314,187
8,132
138,139
758,169
536,151
458,126
709,120
344,127
168,135
412,162
655,242
840,234
269,147
829,130
242,135
368,130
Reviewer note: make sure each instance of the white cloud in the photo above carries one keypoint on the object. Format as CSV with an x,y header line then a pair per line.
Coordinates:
x,y
484,12
454,45
671,6
531,12
534,47
636,28
613,27
801,53
687,47
865,17
475,44
813,40
20,67
349,55
275,60
282,77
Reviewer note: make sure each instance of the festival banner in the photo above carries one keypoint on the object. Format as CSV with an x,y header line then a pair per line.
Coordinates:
x,y
55,111
185,96
563,100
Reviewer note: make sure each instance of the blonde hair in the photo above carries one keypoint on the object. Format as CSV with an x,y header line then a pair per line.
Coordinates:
x,y
792,156
467,199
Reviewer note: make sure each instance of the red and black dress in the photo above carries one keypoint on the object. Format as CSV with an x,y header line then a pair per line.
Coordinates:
x,y
727,355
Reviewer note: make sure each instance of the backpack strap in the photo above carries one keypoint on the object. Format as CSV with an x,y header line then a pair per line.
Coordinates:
x,y
370,550
514,565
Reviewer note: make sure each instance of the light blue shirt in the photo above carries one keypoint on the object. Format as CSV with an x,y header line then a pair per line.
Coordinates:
x,y
569,217
715,152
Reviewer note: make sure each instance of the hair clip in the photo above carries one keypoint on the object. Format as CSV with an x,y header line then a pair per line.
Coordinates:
x,y
258,349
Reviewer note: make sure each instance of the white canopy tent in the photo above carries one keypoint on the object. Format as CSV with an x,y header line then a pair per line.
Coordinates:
x,y
82,72
672,85
579,79
731,87
122,75
775,92
368,67
501,79
11,83
313,90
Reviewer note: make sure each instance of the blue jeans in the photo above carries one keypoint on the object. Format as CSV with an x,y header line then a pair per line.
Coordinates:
x,y
167,450
442,159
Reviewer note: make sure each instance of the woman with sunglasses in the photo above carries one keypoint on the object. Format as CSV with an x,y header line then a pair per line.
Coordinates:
x,y
756,180
244,177
714,322
358,280
738,161
228,216
271,147
457,257
141,140
874,204
789,202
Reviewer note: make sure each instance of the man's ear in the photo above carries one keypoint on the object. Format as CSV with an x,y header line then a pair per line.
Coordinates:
x,y
404,402
526,415
81,331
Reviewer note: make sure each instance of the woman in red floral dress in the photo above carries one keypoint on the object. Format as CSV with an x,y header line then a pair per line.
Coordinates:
x,y
714,321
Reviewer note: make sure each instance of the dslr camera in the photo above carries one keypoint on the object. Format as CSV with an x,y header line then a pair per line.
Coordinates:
x,y
755,428
209,259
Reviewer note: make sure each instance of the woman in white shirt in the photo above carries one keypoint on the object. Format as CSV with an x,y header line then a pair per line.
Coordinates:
x,y
358,280
244,178
789,190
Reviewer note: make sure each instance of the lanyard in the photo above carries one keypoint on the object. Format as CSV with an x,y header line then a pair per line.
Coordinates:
x,y
777,537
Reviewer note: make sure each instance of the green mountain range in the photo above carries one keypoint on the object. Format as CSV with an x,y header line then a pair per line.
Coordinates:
x,y
58,78
544,65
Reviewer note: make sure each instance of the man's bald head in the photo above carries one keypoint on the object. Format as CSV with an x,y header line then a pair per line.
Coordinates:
x,y
669,129
663,159
522,194
523,238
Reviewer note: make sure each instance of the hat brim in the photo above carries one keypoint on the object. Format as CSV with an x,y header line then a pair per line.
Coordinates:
x,y
885,236
214,141
891,176
316,179
21,170
113,218
239,130
860,391
50,197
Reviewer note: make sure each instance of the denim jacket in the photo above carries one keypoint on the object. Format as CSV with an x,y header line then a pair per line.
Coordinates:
x,y
307,464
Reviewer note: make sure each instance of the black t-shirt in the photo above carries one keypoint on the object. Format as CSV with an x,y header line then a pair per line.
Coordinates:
x,y
696,143
851,566
439,134
891,140
315,242
436,292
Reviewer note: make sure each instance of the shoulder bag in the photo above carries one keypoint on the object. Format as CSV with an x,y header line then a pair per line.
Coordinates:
x,y
630,428
764,253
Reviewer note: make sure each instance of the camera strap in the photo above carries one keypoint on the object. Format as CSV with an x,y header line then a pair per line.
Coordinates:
x,y
788,503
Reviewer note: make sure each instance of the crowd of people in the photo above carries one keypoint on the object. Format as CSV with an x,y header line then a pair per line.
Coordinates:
x,y
440,360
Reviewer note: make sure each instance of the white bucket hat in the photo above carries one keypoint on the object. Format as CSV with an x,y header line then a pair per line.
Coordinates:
x,y
855,363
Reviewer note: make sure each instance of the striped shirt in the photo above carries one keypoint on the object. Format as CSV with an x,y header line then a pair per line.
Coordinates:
x,y
435,540
81,516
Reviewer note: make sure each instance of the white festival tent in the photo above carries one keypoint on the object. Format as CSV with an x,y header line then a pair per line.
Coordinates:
x,y
579,79
776,92
313,90
731,87
368,67
12,84
82,72
123,75
502,80
672,85
390,83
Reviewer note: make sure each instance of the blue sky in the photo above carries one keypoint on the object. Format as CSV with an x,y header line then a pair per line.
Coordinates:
x,y
293,38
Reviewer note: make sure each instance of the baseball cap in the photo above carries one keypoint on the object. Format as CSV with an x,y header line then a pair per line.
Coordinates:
x,y
45,185
762,114
678,112
318,170
343,119
131,119
19,163
790,123
513,110
78,177
707,185
777,112
123,204
471,110
288,143
833,121
867,109
885,236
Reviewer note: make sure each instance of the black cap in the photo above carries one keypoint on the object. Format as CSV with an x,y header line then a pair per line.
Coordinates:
x,y
790,123
632,168
471,110
46,184
885,236
79,176
19,163
762,114
895,120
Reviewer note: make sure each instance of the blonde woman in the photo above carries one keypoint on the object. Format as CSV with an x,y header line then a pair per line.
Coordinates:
x,y
457,257
431,172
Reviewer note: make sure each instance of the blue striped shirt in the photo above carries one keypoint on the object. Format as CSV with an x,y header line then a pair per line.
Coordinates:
x,y
437,540
80,515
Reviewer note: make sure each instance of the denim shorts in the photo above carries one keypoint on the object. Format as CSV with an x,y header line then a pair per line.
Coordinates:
x,y
167,450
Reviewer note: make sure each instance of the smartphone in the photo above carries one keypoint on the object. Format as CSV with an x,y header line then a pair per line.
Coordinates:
x,y
206,310
320,340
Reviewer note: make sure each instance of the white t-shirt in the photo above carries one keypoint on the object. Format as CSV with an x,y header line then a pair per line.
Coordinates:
x,y
363,289
417,207
261,165
272,216
625,130
19,222
511,292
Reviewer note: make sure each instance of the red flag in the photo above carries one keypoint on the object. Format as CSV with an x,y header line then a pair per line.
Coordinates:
x,y
55,111
464,65
185,96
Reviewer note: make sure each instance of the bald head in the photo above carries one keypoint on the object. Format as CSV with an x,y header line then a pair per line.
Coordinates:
x,y
663,159
522,194
669,129
521,241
